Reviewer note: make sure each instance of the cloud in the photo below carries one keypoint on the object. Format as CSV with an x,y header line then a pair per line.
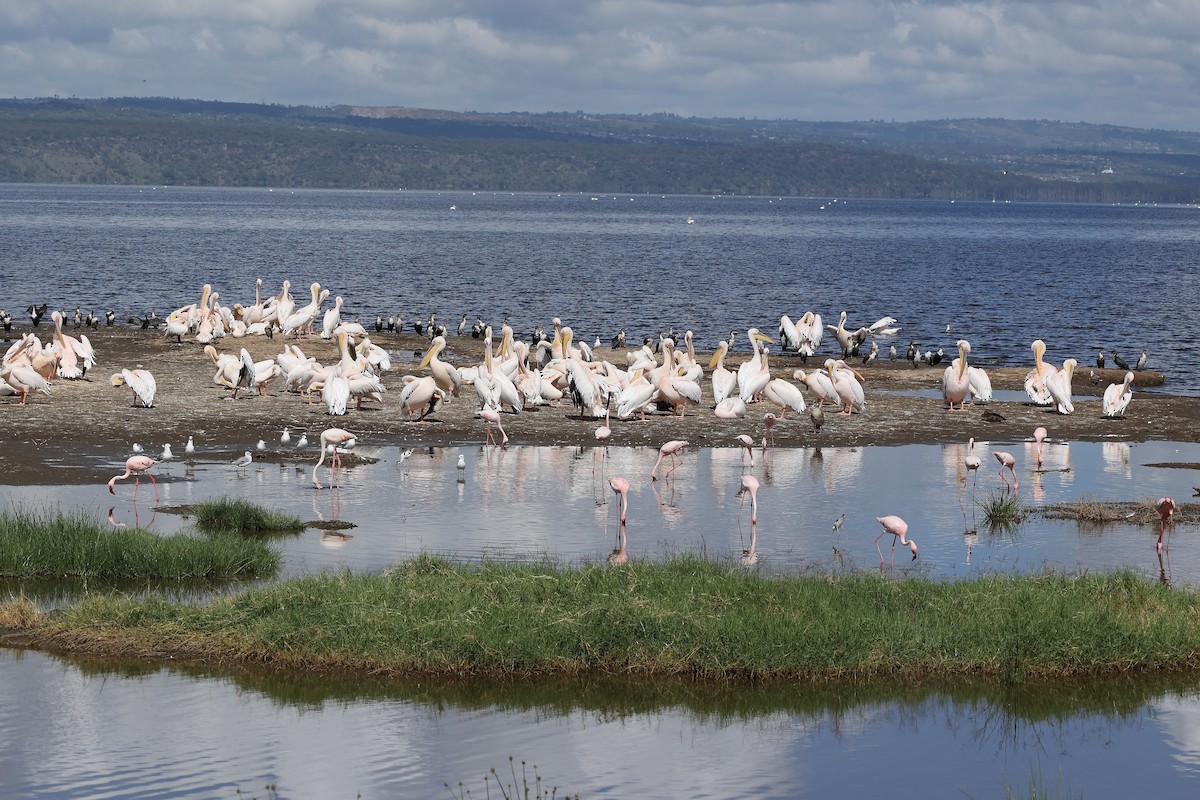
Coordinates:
x,y
1105,61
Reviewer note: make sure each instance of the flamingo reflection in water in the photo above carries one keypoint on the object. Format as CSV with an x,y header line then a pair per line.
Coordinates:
x,y
1166,519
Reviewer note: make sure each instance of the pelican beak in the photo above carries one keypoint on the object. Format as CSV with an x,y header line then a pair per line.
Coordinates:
x,y
433,348
762,337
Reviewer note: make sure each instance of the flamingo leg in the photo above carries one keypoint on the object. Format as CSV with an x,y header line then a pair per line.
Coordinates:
x,y
153,483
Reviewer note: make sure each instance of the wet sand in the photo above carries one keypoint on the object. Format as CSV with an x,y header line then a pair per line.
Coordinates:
x,y
91,415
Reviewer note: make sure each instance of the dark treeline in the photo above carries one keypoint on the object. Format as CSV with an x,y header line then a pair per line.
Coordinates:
x,y
158,141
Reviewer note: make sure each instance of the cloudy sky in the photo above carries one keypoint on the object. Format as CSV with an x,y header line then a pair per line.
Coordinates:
x,y
1114,61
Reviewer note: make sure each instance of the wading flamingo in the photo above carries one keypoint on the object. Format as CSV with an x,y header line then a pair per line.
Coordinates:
x,y
1039,436
750,484
972,462
331,436
747,447
1007,461
672,449
136,466
620,487
492,417
1166,518
897,528
769,420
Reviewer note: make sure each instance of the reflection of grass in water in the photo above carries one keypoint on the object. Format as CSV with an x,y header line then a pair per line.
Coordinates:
x,y
75,544
518,788
688,617
1038,790
1001,510
242,516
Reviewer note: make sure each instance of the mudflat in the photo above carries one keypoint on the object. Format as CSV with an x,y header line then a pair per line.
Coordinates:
x,y
92,416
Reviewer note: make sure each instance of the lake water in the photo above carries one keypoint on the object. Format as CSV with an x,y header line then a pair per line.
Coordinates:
x,y
1080,277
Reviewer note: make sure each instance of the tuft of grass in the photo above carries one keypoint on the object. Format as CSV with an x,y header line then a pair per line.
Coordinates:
x,y
242,516
1001,510
1038,790
46,544
518,788
687,617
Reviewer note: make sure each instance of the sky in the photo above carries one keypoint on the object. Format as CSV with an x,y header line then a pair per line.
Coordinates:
x,y
1108,61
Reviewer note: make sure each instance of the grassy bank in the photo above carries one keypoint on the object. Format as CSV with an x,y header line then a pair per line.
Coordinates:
x,y
241,516
687,618
55,544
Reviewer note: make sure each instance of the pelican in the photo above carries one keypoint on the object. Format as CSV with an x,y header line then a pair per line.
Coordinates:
x,y
419,394
1117,397
1035,381
176,326
750,376
730,408
956,385
1059,386
332,318
785,395
140,381
723,381
846,383
818,383
446,375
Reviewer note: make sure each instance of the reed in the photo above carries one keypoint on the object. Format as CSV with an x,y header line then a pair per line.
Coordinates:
x,y
74,544
687,617
241,516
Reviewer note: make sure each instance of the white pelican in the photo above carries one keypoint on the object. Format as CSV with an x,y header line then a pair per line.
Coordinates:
x,y
1035,381
141,382
245,373
730,408
785,395
1059,386
849,390
23,380
723,381
636,396
175,326
446,375
419,394
818,383
332,318
956,385
300,320
750,375
1117,397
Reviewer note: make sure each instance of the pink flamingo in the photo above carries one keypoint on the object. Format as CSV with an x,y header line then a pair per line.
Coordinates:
x,y
671,448
620,487
136,466
492,417
1166,518
897,528
1039,436
1006,460
603,433
750,484
972,462
768,426
747,447
334,437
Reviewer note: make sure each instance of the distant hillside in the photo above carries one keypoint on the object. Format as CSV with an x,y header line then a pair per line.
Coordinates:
x,y
191,142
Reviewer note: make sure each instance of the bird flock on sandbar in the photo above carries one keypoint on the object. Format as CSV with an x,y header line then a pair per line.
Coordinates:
x,y
514,375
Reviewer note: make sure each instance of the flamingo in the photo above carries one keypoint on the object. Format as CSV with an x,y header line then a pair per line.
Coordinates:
x,y
747,447
1117,397
1166,518
671,448
750,484
1039,436
136,466
492,417
620,487
972,462
768,430
897,528
1007,461
334,436
603,434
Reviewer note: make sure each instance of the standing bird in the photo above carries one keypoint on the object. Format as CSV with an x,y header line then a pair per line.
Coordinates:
x,y
246,460
898,528
461,466
141,382
302,442
262,445
492,417
286,438
1117,397
462,325
1100,359
330,436
190,447
167,455
618,341
768,430
750,484
1007,462
747,447
817,416
671,448
1166,517
1141,362
1039,436
136,466
1119,361
620,487
972,462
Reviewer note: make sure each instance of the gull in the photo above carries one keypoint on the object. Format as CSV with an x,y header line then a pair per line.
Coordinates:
x,y
262,445
244,461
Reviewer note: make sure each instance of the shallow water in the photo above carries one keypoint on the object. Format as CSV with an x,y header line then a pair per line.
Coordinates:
x,y
79,729
531,503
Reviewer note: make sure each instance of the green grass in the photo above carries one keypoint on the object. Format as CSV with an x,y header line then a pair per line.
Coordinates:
x,y
241,516
688,617
46,544
1001,510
